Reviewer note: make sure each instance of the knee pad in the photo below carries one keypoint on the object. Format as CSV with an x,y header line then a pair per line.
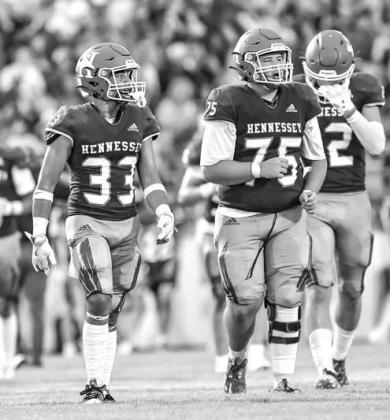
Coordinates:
x,y
91,259
98,307
281,332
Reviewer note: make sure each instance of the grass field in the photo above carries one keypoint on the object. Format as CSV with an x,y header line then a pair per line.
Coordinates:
x,y
181,385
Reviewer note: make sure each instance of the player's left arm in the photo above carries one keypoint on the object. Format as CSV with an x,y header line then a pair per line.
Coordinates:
x,y
154,191
312,149
367,124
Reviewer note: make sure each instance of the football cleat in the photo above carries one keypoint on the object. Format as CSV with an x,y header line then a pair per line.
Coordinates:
x,y
235,376
327,380
339,368
92,393
108,398
283,386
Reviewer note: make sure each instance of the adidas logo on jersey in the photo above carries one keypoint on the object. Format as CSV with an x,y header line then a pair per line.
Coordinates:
x,y
291,108
133,127
231,221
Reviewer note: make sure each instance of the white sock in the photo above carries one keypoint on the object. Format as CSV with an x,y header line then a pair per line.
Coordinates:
x,y
109,357
342,341
242,354
10,331
284,355
320,341
94,340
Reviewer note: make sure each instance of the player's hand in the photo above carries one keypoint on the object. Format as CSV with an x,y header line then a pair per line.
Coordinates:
x,y
308,201
166,224
42,255
274,168
339,96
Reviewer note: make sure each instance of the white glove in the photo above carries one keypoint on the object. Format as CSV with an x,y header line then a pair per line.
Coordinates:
x,y
42,255
338,95
165,222
3,206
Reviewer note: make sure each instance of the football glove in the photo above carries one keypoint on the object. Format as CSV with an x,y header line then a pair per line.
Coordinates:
x,y
338,95
42,254
166,223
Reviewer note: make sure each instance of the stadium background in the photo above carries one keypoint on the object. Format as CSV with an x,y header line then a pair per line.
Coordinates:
x,y
183,47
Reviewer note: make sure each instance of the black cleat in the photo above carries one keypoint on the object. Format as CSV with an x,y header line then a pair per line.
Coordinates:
x,y
327,380
108,398
93,394
235,376
339,368
283,386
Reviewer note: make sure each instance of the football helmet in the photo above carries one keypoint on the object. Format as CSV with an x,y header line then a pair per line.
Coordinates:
x,y
329,59
254,45
108,71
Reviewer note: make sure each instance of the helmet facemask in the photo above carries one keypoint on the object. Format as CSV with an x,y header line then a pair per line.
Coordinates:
x,y
130,90
281,72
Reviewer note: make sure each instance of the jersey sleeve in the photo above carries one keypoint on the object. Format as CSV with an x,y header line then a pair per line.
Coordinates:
x,y
60,125
152,127
369,88
219,106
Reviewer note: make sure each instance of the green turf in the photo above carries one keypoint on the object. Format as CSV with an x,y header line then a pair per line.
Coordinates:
x,y
181,385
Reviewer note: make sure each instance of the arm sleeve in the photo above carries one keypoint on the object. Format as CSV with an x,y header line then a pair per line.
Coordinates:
x,y
219,140
312,147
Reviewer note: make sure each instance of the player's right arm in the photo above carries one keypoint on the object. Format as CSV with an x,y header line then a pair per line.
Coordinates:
x,y
56,156
218,146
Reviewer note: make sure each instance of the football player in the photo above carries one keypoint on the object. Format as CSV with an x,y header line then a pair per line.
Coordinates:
x,y
16,187
350,124
256,133
194,189
104,142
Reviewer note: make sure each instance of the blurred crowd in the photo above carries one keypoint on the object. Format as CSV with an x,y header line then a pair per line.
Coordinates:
x,y
184,49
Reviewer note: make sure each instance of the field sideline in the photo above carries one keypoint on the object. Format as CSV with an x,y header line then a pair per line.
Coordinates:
x,y
181,385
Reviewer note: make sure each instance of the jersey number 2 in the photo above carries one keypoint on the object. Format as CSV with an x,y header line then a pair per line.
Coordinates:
x,y
335,146
103,179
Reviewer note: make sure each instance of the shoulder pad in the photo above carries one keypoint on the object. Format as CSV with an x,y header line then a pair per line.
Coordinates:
x,y
367,88
62,123
220,105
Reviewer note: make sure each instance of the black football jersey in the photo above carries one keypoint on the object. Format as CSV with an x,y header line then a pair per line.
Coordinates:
x,y
344,153
264,132
104,157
